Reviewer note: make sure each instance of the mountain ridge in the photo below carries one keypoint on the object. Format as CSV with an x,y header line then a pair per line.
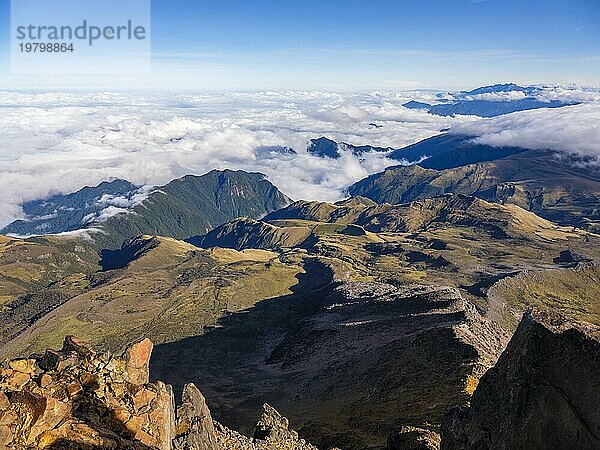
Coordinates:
x,y
532,179
183,208
473,102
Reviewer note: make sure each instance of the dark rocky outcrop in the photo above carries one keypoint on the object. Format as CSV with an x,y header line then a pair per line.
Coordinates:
x,y
413,438
326,148
380,358
542,394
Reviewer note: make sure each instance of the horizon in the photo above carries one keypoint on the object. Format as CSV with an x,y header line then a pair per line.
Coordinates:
x,y
191,91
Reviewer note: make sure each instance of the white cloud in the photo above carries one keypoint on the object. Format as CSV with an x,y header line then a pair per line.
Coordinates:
x,y
544,93
104,215
571,94
507,96
113,205
571,129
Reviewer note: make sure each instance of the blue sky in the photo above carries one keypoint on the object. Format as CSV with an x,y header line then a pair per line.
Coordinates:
x,y
349,45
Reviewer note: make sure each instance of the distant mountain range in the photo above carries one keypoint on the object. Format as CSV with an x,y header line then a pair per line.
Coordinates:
x,y
297,224
443,151
482,101
501,87
185,207
563,189
61,213
557,189
449,150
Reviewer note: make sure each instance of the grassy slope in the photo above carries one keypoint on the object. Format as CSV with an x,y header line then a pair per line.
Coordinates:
x,y
452,240
571,291
171,291
248,233
27,265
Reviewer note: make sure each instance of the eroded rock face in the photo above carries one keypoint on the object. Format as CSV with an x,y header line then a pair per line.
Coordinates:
x,y
413,438
195,426
390,357
76,398
543,393
137,360
271,433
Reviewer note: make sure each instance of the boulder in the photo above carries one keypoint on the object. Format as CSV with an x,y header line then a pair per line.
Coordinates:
x,y
77,345
272,426
137,362
413,438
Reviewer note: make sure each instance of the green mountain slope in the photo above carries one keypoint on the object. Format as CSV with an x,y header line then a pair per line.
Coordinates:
x,y
194,205
535,180
61,213
446,210
163,288
117,211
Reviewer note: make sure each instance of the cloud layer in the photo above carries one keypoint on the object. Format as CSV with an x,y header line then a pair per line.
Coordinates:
x,y
571,129
59,142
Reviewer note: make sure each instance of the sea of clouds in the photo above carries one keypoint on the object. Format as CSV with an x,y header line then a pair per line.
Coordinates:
x,y
59,142
570,129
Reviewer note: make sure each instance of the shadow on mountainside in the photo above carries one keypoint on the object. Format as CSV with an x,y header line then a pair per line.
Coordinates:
x,y
230,358
347,367
130,250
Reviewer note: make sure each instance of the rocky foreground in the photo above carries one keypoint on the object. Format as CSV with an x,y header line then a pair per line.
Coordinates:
x,y
76,398
350,368
543,393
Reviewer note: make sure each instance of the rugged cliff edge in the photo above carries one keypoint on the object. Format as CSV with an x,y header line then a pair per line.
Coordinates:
x,y
543,393
76,398
361,362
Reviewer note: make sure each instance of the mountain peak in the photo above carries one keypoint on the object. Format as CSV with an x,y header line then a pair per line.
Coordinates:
x,y
324,147
187,206
501,87
80,398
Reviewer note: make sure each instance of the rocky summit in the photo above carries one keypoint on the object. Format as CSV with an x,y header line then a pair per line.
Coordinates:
x,y
76,398
542,394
